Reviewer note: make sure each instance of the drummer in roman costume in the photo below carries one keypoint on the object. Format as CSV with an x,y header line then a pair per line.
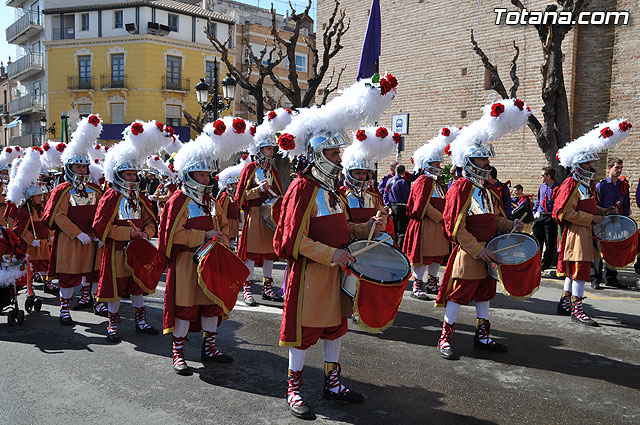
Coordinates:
x,y
575,208
370,146
69,212
191,217
473,214
123,215
314,228
258,182
424,243
228,185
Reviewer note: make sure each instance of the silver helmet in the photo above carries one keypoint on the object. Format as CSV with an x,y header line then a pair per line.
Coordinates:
x,y
261,158
197,191
358,186
322,169
77,180
121,185
35,190
429,169
471,171
579,173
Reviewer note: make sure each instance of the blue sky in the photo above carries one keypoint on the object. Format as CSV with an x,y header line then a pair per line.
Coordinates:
x,y
7,18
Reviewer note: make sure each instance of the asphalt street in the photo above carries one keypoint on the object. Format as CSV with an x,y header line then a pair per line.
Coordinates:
x,y
556,371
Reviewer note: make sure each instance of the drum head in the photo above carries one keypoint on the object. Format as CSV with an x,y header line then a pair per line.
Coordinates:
x,y
526,247
381,264
615,228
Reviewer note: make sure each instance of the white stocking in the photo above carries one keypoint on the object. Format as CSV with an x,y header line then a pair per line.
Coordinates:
x,y
250,265
296,359
267,268
578,288
84,282
66,292
451,312
567,284
94,288
482,310
418,272
433,269
137,301
181,328
209,324
332,349
113,306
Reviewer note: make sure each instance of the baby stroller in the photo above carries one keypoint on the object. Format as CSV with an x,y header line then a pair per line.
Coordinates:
x,y
14,276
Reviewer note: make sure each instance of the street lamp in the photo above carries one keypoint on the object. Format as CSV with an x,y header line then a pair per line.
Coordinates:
x,y
216,105
45,129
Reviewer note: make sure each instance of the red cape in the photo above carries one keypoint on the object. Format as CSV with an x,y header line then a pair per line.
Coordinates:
x,y
55,197
419,198
568,186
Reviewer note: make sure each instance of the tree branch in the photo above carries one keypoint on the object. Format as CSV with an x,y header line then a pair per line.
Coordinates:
x,y
514,76
328,90
496,82
194,123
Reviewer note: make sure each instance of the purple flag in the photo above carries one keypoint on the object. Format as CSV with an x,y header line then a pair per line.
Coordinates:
x,y
372,42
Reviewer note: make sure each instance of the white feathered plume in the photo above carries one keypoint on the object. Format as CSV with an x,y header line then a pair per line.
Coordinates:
x,y
84,137
97,153
236,138
27,175
8,155
604,136
52,154
273,122
174,146
372,144
96,171
434,147
156,162
232,172
498,119
361,103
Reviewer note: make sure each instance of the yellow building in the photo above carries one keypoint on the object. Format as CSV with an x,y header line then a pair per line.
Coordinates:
x,y
128,63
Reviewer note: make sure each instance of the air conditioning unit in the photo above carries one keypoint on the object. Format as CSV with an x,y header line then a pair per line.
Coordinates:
x,y
164,30
131,28
153,28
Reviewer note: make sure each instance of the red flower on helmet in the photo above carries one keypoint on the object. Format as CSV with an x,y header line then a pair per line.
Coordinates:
x,y
361,135
60,147
385,86
625,126
519,104
169,130
497,109
156,158
271,115
46,146
397,137
37,148
160,126
137,128
558,156
217,177
17,148
412,160
606,132
445,132
96,160
97,147
8,150
171,168
106,148
286,141
219,127
392,80
460,128
239,125
382,132
447,150
244,156
288,111
252,130
93,119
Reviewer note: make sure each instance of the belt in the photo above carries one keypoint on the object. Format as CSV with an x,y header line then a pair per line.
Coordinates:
x,y
396,204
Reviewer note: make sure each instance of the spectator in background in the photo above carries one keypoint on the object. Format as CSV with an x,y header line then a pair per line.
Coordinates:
x,y
383,183
613,193
143,181
521,205
456,173
152,184
397,193
545,229
503,191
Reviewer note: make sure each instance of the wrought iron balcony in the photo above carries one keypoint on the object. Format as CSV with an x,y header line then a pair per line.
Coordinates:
x,y
24,27
176,84
111,81
80,83
26,66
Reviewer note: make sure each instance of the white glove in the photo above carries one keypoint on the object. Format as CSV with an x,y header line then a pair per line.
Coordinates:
x,y
151,197
100,244
263,186
209,234
84,238
536,215
36,243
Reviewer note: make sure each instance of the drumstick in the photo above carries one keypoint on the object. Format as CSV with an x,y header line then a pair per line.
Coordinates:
x,y
373,229
367,248
503,249
132,224
272,192
33,227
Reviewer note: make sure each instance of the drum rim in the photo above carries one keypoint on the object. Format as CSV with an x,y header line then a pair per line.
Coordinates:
x,y
619,240
359,276
511,234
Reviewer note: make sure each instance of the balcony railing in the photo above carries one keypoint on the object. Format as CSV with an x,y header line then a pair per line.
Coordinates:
x,y
180,84
3,109
110,81
26,140
27,103
27,65
25,27
80,83
66,33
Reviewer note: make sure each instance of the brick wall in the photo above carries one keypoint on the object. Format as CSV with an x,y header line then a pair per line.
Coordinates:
x,y
426,45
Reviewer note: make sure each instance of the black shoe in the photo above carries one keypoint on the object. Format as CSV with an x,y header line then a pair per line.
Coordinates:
x,y
67,321
183,370
561,310
588,321
149,330
301,412
420,296
113,338
492,346
52,291
348,396
447,354
222,358
276,298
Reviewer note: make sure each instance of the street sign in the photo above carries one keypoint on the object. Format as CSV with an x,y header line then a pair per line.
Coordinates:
x,y
400,123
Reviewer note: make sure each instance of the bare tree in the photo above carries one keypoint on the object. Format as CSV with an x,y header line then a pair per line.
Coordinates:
x,y
555,131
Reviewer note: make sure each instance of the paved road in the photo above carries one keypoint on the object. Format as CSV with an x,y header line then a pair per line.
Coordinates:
x,y
556,371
